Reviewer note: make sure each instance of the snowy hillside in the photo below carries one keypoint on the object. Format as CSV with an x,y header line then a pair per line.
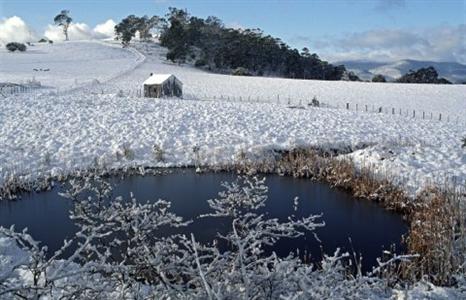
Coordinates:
x,y
83,62
448,100
50,134
66,65
455,72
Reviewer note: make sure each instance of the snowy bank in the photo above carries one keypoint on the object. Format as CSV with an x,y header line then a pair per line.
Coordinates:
x,y
59,134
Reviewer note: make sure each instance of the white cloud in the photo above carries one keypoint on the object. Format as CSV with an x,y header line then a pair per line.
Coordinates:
x,y
441,43
106,29
82,31
14,29
382,38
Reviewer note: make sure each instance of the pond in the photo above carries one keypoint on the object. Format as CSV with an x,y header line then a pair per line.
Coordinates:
x,y
351,224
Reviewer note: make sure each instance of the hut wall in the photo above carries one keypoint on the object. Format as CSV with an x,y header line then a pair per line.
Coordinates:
x,y
169,88
152,91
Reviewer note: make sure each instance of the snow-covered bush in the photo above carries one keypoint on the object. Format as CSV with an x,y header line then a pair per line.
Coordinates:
x,y
158,153
118,253
314,102
12,47
120,94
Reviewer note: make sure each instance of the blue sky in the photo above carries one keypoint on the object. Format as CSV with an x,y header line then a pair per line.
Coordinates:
x,y
335,29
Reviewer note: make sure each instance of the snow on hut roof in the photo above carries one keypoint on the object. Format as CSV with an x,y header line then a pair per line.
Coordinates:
x,y
157,78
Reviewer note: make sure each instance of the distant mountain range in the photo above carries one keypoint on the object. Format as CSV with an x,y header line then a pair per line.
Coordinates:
x,y
454,72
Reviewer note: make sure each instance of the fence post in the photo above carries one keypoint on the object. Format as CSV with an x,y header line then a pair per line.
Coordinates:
x,y
366,108
347,105
423,115
440,117
414,113
393,110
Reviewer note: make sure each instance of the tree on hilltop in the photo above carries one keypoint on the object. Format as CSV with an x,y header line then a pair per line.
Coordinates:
x,y
126,30
63,19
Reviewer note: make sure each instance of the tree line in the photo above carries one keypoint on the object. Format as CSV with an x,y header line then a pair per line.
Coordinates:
x,y
209,44
422,75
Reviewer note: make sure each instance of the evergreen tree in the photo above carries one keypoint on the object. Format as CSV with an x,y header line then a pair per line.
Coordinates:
x,y
127,28
423,75
213,46
379,78
63,19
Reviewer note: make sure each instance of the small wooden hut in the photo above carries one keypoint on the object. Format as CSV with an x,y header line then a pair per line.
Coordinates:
x,y
162,85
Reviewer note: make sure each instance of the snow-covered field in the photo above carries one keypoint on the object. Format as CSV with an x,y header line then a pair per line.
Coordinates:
x,y
68,65
87,125
52,134
450,100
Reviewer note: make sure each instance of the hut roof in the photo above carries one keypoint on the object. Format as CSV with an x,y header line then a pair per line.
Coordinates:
x,y
158,78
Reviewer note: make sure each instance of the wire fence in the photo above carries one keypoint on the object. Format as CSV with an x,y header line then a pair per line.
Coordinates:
x,y
404,112
289,101
9,89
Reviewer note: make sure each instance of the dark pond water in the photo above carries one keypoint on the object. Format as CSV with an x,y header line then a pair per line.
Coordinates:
x,y
369,227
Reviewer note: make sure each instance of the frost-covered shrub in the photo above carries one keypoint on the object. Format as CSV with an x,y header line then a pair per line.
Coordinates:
x,y
120,94
12,47
118,254
124,151
315,102
158,153
197,156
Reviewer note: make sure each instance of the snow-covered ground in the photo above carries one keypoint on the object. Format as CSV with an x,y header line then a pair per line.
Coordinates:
x,y
88,124
66,65
450,100
79,128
